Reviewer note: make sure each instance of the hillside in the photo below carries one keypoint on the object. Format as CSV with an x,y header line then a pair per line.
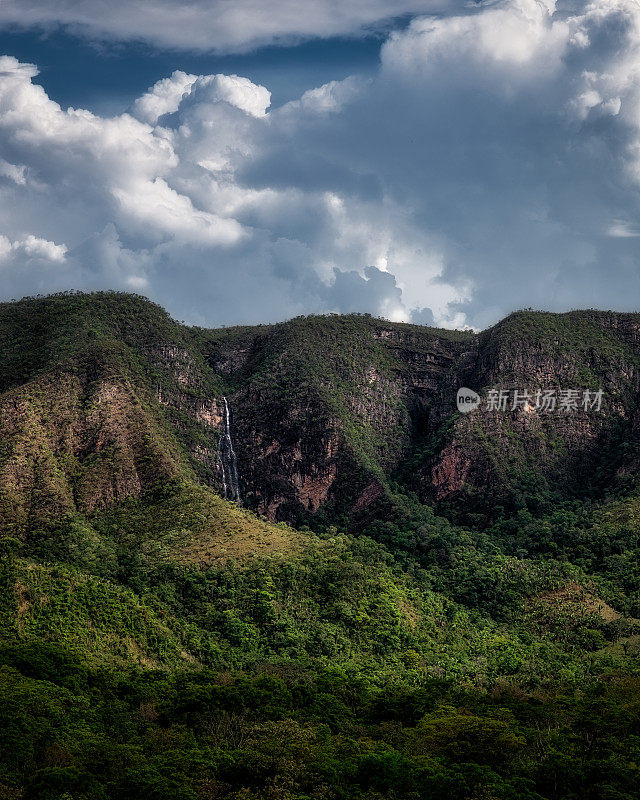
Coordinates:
x,y
404,595
314,401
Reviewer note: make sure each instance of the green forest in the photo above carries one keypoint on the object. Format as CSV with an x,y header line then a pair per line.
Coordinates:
x,y
344,631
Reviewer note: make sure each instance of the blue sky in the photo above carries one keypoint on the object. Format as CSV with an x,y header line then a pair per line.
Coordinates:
x,y
106,77
244,162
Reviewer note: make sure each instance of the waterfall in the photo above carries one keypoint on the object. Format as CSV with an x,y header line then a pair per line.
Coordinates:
x,y
230,488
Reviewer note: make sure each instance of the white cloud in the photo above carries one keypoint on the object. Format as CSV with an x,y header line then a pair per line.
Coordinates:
x,y
32,247
213,25
232,89
163,97
329,98
623,229
508,39
15,172
155,205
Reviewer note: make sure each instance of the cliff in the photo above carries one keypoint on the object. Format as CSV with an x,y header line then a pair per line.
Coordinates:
x,y
104,398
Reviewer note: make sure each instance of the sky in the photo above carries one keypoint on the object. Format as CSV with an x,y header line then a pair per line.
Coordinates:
x,y
246,162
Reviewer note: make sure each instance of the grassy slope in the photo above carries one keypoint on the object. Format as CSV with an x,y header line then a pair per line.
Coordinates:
x,y
191,524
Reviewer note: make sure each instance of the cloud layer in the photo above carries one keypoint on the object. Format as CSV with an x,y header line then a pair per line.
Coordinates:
x,y
213,25
493,162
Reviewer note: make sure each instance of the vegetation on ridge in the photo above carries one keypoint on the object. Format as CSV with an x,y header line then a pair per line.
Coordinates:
x,y
157,641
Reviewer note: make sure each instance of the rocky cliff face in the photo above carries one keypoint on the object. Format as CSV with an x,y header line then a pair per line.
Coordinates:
x,y
494,450
325,409
383,397
329,415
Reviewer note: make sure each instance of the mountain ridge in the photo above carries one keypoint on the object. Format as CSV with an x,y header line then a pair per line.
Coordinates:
x,y
312,399
407,602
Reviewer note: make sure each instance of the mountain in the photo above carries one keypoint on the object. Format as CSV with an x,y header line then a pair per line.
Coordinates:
x,y
392,578
113,396
330,410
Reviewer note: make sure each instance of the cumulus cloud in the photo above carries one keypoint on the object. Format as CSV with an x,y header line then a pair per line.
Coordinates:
x,y
492,162
528,119
14,172
30,265
213,25
31,247
376,291
163,98
153,201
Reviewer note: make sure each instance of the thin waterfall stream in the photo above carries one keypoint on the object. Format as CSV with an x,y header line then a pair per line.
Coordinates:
x,y
228,461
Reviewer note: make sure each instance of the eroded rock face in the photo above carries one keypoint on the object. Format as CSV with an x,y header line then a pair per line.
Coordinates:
x,y
327,413
178,362
487,450
194,413
369,495
296,463
451,471
74,445
293,454
206,411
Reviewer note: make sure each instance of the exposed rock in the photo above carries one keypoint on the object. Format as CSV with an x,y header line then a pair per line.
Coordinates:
x,y
326,410
371,493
